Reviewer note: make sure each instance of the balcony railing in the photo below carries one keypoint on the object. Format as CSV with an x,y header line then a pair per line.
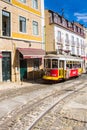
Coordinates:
x,y
60,47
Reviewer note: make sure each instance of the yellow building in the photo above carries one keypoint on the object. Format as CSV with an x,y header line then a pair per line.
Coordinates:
x,y
21,39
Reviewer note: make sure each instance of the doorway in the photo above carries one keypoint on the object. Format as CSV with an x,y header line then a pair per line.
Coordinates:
x,y
6,66
23,69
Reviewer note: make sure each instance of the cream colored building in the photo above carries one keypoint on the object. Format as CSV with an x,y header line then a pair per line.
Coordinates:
x,y
21,39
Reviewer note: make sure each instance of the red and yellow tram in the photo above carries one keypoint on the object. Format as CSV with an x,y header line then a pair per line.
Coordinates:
x,y
61,67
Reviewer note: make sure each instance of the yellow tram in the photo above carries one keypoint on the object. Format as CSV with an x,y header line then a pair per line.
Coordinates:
x,y
58,67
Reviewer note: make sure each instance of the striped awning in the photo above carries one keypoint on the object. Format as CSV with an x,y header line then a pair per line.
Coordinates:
x,y
31,53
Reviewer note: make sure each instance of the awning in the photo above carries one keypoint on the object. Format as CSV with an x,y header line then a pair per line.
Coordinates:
x,y
31,53
0,55
84,57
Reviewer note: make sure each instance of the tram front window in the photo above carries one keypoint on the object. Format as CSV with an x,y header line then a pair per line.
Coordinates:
x,y
47,63
54,63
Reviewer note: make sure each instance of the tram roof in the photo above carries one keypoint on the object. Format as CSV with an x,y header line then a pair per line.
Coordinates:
x,y
63,57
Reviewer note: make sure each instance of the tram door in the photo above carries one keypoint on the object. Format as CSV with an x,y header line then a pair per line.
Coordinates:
x,y
61,69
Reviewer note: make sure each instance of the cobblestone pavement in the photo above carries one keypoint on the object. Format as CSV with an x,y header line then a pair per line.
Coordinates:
x,y
61,106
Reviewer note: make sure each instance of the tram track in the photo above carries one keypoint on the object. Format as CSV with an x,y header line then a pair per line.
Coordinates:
x,y
28,111
59,104
28,107
6,94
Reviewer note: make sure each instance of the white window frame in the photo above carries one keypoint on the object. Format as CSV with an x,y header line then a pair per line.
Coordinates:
x,y
73,50
59,36
72,41
66,38
23,20
23,1
8,0
35,28
7,30
35,4
77,42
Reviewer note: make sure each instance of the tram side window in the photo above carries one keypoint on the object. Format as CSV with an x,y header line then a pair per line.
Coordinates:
x,y
67,65
61,64
79,65
54,63
71,66
75,64
47,63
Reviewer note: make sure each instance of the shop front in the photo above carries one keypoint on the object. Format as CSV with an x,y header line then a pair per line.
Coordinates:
x,y
31,63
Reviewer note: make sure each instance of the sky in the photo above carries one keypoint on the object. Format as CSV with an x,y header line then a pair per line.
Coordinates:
x,y
73,10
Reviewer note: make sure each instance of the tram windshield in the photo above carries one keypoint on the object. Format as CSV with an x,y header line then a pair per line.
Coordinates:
x,y
47,63
51,63
54,63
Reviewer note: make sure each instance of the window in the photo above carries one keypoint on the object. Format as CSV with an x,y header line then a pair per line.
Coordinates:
x,y
35,28
72,40
36,64
7,0
55,18
64,22
35,4
69,24
5,23
54,63
22,24
60,19
76,29
73,50
77,42
59,36
77,51
61,64
23,1
47,63
80,42
67,38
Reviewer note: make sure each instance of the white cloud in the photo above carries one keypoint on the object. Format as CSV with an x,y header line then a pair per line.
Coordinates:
x,y
81,16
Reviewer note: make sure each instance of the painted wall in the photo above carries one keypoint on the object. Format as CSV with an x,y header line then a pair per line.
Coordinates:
x,y
18,39
63,37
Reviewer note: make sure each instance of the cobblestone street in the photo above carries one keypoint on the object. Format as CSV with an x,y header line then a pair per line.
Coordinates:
x,y
43,65
39,106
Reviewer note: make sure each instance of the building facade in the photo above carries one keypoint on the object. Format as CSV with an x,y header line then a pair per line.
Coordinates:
x,y
86,49
21,39
62,36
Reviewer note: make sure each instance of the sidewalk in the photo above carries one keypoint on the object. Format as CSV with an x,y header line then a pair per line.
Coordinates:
x,y
14,85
